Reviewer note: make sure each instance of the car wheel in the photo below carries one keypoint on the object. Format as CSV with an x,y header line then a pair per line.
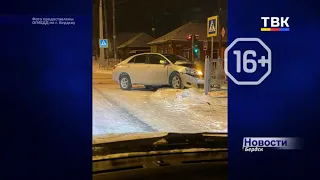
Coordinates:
x,y
176,81
125,82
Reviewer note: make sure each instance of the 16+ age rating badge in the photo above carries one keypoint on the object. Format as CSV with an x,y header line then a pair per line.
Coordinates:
x,y
247,61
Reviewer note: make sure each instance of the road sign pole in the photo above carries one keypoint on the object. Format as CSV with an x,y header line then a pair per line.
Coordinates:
x,y
219,30
106,28
211,48
101,33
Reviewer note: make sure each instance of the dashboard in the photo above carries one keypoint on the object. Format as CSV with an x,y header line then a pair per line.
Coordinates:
x,y
199,165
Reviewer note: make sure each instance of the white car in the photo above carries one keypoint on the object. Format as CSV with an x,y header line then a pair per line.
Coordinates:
x,y
155,69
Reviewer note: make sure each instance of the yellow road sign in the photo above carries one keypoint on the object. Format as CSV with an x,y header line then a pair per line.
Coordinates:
x,y
212,26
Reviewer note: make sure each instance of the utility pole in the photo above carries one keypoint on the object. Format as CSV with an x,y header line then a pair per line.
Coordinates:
x,y
95,39
220,40
101,33
114,31
219,29
106,27
153,24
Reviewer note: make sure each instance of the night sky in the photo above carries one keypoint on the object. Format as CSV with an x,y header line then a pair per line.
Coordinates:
x,y
164,15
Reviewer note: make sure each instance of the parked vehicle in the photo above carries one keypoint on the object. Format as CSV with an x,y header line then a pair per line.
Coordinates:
x,y
155,69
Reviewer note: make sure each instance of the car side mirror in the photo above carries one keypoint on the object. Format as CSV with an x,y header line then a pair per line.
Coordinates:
x,y
164,62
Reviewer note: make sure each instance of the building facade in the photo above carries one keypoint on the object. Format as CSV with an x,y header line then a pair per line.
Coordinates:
x,y
135,45
177,42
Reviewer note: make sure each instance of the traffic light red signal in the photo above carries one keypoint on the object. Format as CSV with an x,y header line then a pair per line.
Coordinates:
x,y
189,37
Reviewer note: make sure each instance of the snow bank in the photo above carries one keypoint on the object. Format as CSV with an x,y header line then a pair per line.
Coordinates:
x,y
194,105
190,97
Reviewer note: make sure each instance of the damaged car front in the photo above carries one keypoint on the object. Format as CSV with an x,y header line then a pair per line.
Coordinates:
x,y
191,73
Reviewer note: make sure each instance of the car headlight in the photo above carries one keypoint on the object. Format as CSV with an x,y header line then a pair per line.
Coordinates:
x,y
193,72
199,73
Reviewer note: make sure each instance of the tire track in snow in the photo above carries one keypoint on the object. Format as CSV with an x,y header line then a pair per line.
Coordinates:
x,y
110,117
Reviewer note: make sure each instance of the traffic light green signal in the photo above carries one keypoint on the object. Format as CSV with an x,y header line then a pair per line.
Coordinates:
x,y
196,48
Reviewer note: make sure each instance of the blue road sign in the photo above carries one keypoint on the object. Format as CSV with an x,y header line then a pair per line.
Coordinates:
x,y
212,26
103,43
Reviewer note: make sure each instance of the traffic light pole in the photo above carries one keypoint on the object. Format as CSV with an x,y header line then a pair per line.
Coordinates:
x,y
192,47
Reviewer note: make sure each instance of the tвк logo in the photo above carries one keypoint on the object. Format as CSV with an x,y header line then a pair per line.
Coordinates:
x,y
275,24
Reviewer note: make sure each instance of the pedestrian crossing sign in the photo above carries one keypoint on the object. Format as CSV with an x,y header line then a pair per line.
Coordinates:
x,y
103,43
212,26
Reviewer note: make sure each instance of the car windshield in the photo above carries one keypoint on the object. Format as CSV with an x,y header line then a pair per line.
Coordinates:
x,y
174,58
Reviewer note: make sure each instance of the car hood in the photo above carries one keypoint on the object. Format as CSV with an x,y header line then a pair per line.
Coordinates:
x,y
189,65
108,138
111,138
196,65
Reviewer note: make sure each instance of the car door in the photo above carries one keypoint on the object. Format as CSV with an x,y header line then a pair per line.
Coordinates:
x,y
136,69
156,73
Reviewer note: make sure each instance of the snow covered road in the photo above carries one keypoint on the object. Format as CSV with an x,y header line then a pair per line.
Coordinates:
x,y
167,110
110,117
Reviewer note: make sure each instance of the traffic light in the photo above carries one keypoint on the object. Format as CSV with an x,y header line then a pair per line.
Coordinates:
x,y
189,37
196,45
194,38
